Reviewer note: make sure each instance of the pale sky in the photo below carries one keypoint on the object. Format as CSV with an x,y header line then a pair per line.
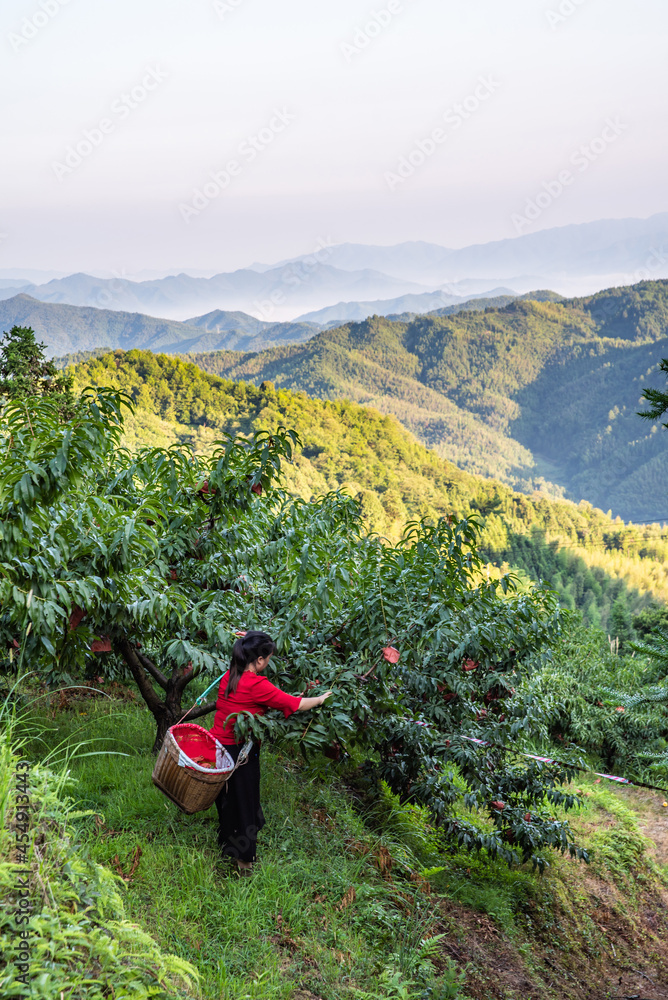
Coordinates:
x,y
316,104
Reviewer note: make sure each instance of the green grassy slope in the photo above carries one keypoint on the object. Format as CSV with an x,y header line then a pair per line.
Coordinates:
x,y
353,898
371,454
529,392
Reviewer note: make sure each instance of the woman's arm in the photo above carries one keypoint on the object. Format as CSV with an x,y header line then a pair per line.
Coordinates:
x,y
307,703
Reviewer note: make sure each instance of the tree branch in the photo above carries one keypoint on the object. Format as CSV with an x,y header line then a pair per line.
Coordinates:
x,y
129,654
183,681
151,668
335,635
200,710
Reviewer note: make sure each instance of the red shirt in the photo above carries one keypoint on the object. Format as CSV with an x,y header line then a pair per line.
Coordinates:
x,y
253,694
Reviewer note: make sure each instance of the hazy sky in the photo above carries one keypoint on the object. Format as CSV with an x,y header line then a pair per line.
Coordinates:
x,y
115,114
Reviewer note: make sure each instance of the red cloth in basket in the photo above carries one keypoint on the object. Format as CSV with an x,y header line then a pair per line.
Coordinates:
x,y
195,742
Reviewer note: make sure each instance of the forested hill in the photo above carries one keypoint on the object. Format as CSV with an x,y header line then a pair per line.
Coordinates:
x,y
592,560
529,392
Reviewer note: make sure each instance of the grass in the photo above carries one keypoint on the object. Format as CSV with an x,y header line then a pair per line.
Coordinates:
x,y
294,922
347,901
63,926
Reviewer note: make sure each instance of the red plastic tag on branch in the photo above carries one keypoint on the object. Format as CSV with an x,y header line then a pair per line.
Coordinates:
x,y
390,654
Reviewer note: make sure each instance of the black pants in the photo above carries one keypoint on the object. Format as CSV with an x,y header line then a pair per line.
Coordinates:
x,y
240,815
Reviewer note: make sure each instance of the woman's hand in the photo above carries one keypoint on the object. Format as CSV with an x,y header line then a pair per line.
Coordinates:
x,y
306,703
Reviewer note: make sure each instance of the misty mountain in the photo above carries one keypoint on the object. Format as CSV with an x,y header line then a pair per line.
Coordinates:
x,y
273,295
365,280
13,283
22,276
427,302
607,247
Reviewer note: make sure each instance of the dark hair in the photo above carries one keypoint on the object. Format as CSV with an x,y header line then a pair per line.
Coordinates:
x,y
246,650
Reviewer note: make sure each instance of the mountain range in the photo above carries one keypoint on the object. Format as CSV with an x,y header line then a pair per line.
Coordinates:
x,y
539,391
66,329
607,249
541,394
351,278
270,295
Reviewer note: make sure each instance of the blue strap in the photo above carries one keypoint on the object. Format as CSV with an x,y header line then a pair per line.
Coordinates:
x,y
198,701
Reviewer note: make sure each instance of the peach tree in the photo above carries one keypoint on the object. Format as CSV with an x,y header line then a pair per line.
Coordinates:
x,y
144,566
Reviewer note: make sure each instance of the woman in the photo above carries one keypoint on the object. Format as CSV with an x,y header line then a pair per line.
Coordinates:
x,y
243,689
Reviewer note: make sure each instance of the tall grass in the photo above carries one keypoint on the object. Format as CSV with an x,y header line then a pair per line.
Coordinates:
x,y
81,943
347,901
319,913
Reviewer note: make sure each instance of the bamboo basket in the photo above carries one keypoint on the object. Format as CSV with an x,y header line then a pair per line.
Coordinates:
x,y
190,785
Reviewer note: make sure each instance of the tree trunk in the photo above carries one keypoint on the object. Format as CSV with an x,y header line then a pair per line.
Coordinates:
x,y
167,717
166,712
172,712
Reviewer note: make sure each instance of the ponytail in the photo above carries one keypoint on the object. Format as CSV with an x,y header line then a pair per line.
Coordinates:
x,y
246,650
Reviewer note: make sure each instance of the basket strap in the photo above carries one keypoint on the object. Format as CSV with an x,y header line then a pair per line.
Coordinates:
x,y
198,701
243,756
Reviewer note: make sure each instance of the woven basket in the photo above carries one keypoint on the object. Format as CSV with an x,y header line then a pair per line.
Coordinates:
x,y
186,782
